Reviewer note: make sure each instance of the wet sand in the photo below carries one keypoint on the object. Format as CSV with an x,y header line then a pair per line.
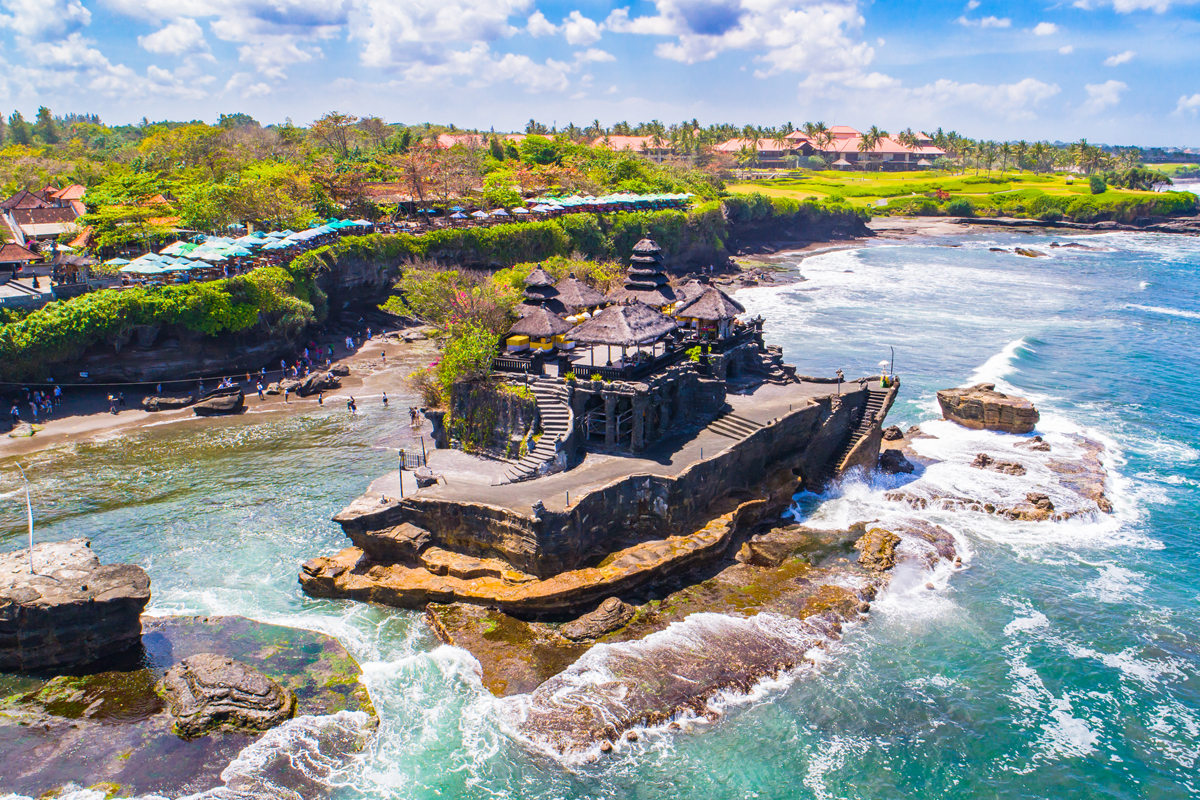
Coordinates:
x,y
84,411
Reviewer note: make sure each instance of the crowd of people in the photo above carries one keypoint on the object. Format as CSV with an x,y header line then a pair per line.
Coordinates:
x,y
42,405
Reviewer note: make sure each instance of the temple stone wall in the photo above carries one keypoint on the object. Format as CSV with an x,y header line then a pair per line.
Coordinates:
x,y
803,441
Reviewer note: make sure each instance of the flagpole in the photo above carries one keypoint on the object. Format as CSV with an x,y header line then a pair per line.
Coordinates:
x,y
29,513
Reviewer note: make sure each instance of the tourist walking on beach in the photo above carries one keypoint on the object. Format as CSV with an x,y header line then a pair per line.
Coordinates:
x,y
33,410
57,395
121,399
261,396
287,394
385,399
15,412
351,406
112,404
320,398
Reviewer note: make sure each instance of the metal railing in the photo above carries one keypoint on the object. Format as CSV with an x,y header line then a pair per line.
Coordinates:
x,y
411,461
510,364
584,372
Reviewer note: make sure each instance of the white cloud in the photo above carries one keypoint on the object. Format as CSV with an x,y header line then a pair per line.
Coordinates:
x,y
182,36
538,25
595,54
818,37
481,67
1103,95
44,19
972,5
1067,49
1012,100
1188,105
1045,29
986,22
417,31
244,85
1119,58
579,30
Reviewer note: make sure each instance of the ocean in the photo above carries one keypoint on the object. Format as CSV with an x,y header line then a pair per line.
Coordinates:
x,y
1063,660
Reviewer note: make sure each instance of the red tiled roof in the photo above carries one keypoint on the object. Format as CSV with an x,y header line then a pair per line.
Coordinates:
x,y
42,216
635,143
761,145
448,140
12,253
24,199
72,192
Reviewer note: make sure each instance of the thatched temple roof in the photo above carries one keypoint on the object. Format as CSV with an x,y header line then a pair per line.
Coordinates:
x,y
575,294
626,324
540,324
710,303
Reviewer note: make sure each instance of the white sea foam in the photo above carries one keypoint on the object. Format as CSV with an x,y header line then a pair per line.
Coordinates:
x,y
1171,312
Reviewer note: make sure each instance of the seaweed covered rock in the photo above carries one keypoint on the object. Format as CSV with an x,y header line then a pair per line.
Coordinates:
x,y
70,609
877,549
206,691
982,407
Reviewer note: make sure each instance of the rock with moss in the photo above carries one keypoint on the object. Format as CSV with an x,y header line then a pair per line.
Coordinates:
x,y
207,691
877,549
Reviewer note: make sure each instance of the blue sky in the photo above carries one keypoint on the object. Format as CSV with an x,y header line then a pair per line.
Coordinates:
x,y
1115,71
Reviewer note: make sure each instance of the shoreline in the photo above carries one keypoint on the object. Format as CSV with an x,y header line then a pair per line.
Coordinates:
x,y
84,413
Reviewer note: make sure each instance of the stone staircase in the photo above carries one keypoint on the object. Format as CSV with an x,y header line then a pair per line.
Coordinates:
x,y
875,401
551,399
733,426
771,364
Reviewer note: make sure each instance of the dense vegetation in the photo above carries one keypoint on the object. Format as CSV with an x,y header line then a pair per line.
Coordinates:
x,y
276,301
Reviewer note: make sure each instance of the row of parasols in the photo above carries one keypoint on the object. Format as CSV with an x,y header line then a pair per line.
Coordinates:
x,y
211,251
622,201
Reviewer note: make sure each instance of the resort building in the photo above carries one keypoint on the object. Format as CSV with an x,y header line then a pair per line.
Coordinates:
x,y
842,150
769,152
33,216
656,148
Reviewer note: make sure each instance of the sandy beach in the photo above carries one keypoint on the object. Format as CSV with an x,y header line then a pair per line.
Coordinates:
x,y
84,411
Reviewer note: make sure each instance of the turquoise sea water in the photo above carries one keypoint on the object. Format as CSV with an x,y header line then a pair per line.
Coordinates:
x,y
1064,661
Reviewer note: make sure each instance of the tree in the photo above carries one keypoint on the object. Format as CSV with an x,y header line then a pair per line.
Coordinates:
x,y
335,130
44,126
501,190
1006,154
869,141
3,130
127,207
239,120
375,130
18,129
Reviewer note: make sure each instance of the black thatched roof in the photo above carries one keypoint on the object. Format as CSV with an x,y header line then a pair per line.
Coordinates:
x,y
711,303
551,304
575,294
539,277
628,324
541,324
647,246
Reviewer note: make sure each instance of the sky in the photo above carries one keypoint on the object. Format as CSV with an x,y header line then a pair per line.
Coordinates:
x,y
1120,72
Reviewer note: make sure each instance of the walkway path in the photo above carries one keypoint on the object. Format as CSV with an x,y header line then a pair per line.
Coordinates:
x,y
469,479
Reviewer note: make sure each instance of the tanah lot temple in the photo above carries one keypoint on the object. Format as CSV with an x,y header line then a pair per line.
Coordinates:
x,y
662,428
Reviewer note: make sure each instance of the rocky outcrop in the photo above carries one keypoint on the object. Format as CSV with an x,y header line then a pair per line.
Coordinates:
x,y
984,461
892,433
1029,252
877,549
1035,445
70,610
163,403
221,405
339,370
611,614
893,462
112,726
982,407
401,544
205,692
318,382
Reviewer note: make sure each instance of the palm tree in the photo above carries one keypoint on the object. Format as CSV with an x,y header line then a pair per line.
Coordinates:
x,y
747,156
1038,153
1021,150
1006,152
869,141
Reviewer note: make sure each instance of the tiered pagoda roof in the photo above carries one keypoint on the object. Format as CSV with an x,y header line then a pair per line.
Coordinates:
x,y
577,295
540,293
646,281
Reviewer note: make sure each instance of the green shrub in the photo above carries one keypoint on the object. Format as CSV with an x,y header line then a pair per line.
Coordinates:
x,y
1097,185
959,207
